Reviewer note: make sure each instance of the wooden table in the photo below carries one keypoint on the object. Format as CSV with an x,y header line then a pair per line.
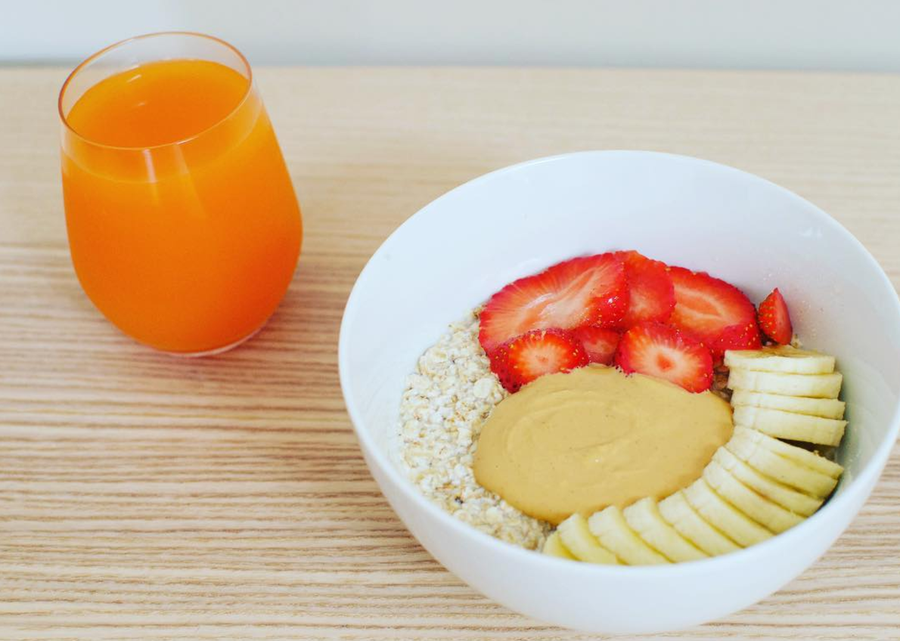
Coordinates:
x,y
147,497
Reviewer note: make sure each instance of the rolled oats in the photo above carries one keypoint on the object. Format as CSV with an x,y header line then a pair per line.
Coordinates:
x,y
445,404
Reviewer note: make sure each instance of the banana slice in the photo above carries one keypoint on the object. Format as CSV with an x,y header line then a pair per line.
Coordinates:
x,y
678,512
645,519
612,531
810,385
805,457
581,543
788,498
724,515
779,468
784,359
824,407
770,515
795,427
554,547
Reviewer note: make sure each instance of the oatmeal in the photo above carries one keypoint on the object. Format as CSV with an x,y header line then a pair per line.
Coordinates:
x,y
446,401
650,412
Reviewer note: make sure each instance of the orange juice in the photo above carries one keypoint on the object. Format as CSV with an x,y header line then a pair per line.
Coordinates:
x,y
183,225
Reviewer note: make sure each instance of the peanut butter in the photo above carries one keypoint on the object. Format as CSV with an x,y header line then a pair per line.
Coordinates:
x,y
580,441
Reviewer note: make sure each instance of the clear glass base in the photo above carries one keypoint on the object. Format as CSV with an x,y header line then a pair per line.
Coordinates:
x,y
218,350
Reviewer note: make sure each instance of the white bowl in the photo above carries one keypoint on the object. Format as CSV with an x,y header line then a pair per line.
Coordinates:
x,y
458,250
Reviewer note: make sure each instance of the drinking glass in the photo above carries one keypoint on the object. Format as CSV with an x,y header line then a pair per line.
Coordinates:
x,y
183,225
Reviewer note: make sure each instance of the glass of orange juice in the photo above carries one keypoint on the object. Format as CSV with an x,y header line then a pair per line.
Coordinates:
x,y
183,225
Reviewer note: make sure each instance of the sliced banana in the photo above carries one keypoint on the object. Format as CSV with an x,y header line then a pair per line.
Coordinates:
x,y
554,547
645,519
809,385
795,427
581,543
724,515
805,457
824,407
787,497
784,359
762,510
615,535
779,468
678,512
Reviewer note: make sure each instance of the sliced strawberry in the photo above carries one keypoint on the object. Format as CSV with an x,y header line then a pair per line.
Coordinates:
x,y
664,352
651,293
538,352
613,303
580,291
774,318
706,306
736,337
599,343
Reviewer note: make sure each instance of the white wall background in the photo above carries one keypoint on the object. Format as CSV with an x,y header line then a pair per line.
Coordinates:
x,y
779,34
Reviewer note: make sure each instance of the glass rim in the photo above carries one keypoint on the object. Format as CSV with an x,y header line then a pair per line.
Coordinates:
x,y
121,43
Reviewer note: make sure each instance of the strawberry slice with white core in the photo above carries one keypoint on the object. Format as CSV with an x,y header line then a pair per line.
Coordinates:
x,y
651,293
536,353
774,318
658,350
706,306
576,292
600,343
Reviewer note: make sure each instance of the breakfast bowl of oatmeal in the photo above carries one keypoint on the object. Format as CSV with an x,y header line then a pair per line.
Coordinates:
x,y
623,391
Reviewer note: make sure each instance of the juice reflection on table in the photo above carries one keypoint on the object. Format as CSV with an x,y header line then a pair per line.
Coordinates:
x,y
183,224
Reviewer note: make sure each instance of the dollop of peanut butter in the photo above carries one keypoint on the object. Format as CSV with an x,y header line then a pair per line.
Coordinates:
x,y
594,437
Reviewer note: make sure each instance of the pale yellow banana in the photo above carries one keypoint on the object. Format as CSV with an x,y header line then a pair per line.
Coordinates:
x,y
723,515
807,458
610,528
581,543
824,407
795,427
554,547
809,385
787,497
784,359
780,468
645,519
762,510
678,512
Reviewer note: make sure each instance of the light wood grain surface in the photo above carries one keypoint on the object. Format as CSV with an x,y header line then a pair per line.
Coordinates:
x,y
147,497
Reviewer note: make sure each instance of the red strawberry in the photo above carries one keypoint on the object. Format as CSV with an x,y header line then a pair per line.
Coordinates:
x,y
664,352
774,318
736,337
538,352
652,295
581,291
706,306
599,343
